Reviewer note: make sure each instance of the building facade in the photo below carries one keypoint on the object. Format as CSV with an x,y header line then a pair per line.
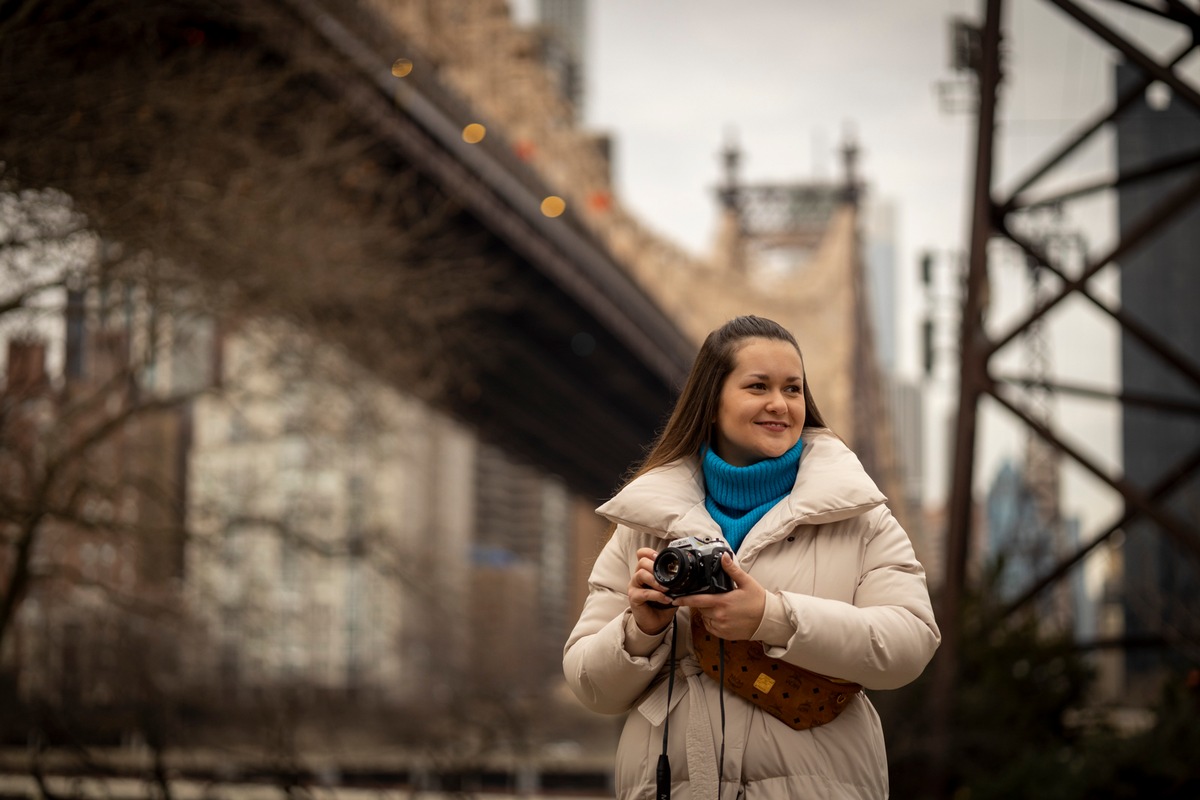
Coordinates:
x,y
1159,285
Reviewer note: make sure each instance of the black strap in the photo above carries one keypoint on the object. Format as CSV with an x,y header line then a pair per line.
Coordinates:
x,y
663,773
721,695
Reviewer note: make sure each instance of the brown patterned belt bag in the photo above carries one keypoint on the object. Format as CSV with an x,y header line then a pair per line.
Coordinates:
x,y
797,697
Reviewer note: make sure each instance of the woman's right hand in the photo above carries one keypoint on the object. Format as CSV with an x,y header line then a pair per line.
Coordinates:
x,y
644,590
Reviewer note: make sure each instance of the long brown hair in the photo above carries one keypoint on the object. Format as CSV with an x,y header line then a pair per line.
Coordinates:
x,y
690,424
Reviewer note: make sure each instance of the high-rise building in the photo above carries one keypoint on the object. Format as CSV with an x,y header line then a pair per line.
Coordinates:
x,y
1159,286
521,541
1017,537
879,250
564,23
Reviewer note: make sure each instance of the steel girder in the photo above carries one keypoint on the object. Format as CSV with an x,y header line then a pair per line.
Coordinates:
x,y
991,211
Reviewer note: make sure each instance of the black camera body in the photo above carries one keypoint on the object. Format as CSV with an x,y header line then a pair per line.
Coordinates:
x,y
693,566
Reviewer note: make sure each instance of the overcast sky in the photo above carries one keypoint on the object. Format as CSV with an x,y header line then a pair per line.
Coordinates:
x,y
789,79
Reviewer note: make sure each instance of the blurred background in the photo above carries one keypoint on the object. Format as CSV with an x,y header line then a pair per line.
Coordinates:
x,y
326,326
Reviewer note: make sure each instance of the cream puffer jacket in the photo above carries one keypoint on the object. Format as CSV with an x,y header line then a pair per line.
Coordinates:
x,y
846,597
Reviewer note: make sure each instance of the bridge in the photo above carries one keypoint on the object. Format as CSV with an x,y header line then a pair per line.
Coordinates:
x,y
560,356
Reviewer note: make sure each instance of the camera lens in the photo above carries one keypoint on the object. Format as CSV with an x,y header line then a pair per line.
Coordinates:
x,y
670,568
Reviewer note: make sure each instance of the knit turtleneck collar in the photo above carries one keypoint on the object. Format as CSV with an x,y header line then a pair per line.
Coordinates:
x,y
738,497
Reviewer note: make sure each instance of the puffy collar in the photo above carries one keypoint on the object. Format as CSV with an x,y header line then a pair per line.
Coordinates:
x,y
668,501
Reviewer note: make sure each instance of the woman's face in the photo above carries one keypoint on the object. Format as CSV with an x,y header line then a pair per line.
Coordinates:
x,y
760,413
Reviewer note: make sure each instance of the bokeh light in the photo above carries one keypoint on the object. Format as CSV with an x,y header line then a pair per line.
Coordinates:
x,y
553,206
599,200
474,133
401,67
524,149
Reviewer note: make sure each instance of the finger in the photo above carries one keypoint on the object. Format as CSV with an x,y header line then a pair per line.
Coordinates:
x,y
643,581
698,600
656,593
645,578
736,573
651,597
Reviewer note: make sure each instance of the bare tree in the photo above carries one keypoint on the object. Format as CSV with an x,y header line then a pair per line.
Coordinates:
x,y
179,184
179,130
171,173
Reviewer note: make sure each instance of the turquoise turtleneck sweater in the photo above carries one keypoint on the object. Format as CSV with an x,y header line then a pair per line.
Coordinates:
x,y
738,497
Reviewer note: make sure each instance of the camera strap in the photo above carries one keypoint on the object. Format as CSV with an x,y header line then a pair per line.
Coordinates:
x,y
663,771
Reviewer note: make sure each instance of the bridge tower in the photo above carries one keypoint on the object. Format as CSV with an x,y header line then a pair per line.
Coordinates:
x,y
793,251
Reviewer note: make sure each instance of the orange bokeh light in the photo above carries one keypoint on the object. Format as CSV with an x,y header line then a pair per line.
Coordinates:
x,y
474,133
553,206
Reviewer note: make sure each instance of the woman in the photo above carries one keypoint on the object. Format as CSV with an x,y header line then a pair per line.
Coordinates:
x,y
825,579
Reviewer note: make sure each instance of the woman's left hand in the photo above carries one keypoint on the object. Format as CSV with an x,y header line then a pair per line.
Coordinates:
x,y
732,615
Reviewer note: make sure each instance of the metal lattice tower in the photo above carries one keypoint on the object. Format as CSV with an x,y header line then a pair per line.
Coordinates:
x,y
996,213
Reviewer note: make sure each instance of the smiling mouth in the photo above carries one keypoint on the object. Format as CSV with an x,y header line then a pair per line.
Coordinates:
x,y
774,426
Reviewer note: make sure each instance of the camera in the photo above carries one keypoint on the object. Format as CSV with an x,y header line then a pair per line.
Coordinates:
x,y
693,566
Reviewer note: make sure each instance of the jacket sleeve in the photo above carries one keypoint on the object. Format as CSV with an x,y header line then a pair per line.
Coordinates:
x,y
608,661
883,640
